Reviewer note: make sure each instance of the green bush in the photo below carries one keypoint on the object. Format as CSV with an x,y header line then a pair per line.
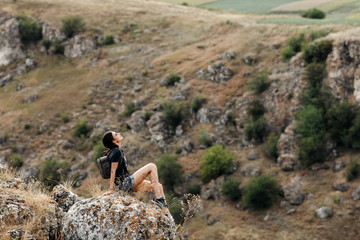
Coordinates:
x,y
16,161
339,119
315,74
169,170
255,129
196,103
271,146
64,117
72,25
173,78
353,138
109,39
231,189
287,53
353,170
256,109
52,170
27,126
58,47
204,138
82,128
29,29
194,189
258,83
98,150
312,150
310,122
173,113
296,42
317,51
216,160
260,192
314,13
130,107
318,34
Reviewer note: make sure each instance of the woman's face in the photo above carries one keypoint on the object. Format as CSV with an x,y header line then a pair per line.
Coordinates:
x,y
117,138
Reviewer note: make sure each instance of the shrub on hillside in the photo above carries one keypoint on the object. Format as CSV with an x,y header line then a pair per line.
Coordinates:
x,y
216,160
52,170
256,109
196,103
231,189
315,74
310,122
204,138
312,150
260,192
82,128
173,113
173,78
353,170
256,129
258,83
271,146
317,51
339,119
296,42
194,189
72,25
314,13
16,161
64,117
46,43
98,150
287,53
58,47
353,137
109,39
29,29
169,170
130,107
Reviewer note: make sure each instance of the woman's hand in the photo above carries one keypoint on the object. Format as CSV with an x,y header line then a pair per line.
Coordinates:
x,y
108,193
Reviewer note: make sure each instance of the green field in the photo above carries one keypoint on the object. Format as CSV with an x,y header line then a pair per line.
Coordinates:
x,y
248,6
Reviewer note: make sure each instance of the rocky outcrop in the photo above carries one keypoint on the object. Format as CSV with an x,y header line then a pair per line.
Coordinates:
x,y
158,129
324,212
52,33
343,69
114,216
80,45
207,115
10,42
293,192
212,190
137,122
287,149
216,72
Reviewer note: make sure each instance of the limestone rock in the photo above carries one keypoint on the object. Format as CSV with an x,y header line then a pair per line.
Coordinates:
x,y
339,165
207,115
115,216
5,80
340,186
158,129
251,171
80,45
356,194
217,72
253,155
179,95
212,190
30,174
249,59
186,146
64,198
10,42
294,193
31,98
324,212
52,33
227,55
13,210
137,122
287,149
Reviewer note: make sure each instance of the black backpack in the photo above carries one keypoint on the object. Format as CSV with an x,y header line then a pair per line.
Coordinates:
x,y
104,166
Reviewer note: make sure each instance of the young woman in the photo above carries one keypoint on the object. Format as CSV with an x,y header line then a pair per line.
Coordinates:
x,y
120,177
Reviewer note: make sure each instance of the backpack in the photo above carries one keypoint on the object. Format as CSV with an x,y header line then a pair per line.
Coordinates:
x,y
104,166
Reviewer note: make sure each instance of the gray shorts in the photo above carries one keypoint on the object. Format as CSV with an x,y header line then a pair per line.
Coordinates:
x,y
127,185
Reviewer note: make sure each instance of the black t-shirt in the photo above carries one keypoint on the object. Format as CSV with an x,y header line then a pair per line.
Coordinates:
x,y
117,155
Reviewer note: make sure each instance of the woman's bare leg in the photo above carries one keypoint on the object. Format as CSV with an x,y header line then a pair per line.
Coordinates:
x,y
151,171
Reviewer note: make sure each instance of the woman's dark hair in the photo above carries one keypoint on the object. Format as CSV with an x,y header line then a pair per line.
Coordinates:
x,y
107,140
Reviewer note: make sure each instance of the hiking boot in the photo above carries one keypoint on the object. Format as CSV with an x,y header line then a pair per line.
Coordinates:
x,y
160,201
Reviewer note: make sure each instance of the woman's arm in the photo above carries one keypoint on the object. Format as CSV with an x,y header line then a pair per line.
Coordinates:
x,y
112,178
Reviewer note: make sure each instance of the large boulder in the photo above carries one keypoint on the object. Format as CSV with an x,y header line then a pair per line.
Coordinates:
x,y
212,190
293,192
116,216
287,149
158,128
80,45
137,122
13,209
207,115
10,42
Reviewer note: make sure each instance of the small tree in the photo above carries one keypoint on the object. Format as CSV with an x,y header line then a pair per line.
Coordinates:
x,y
260,192
82,128
353,170
204,138
258,83
29,29
231,188
216,160
271,146
317,51
169,169
255,129
72,25
256,109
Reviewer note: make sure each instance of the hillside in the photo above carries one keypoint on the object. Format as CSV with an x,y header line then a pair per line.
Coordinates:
x,y
215,55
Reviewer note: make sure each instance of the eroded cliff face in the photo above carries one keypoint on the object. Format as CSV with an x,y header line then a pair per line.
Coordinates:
x,y
343,69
